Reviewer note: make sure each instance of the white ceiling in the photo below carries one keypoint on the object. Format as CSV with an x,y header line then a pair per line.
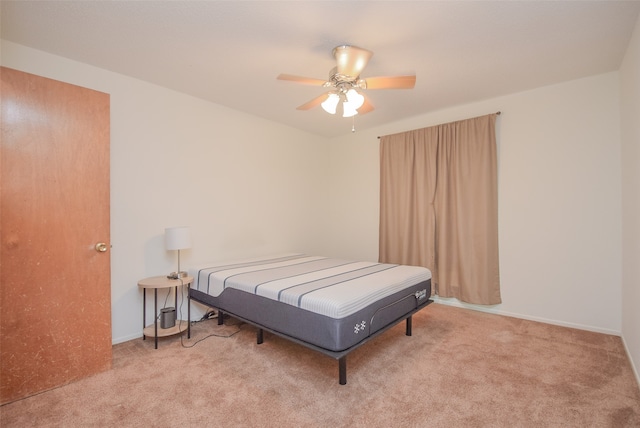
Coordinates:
x,y
230,52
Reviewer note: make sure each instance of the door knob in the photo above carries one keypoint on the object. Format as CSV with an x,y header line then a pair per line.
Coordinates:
x,y
101,247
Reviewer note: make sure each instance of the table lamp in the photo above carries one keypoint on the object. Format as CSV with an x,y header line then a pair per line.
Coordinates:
x,y
177,238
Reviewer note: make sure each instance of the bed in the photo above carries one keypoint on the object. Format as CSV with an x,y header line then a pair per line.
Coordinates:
x,y
327,304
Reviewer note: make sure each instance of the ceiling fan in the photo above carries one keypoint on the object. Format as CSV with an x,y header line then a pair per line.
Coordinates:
x,y
345,83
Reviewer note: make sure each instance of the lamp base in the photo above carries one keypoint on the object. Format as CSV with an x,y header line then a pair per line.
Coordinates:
x,y
177,275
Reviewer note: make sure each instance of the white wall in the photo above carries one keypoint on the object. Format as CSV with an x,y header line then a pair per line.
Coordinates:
x,y
559,199
248,186
244,185
630,126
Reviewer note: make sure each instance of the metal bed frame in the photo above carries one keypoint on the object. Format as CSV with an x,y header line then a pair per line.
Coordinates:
x,y
341,356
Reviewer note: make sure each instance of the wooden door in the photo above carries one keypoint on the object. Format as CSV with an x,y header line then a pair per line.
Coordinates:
x,y
55,292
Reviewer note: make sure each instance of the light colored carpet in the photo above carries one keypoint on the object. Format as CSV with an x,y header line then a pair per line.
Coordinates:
x,y
460,368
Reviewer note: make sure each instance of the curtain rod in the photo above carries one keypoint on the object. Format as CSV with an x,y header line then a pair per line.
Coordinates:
x,y
497,113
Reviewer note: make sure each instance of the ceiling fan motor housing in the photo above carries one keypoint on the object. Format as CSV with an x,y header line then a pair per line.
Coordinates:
x,y
351,60
344,82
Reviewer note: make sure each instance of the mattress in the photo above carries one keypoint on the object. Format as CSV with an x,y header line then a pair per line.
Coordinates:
x,y
329,303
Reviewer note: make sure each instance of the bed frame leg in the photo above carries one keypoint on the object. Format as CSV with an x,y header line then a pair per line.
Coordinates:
x,y
409,326
260,336
342,370
220,317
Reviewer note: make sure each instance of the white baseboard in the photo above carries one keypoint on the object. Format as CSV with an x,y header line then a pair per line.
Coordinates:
x,y
123,339
497,311
197,311
633,366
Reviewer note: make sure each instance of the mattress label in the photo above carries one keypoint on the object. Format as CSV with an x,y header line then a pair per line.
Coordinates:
x,y
359,327
421,294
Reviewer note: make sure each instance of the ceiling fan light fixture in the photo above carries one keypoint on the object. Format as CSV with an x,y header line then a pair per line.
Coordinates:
x,y
348,109
346,86
331,103
355,99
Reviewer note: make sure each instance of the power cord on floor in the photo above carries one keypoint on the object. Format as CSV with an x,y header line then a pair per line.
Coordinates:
x,y
210,315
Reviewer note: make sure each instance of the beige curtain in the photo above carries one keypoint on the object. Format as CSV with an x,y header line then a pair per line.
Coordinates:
x,y
439,206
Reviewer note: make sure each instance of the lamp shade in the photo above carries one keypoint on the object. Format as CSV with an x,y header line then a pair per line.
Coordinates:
x,y
177,238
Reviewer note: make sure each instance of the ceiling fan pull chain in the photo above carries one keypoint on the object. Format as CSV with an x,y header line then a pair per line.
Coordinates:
x,y
353,123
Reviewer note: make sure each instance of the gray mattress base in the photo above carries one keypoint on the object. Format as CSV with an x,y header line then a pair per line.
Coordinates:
x,y
311,330
331,334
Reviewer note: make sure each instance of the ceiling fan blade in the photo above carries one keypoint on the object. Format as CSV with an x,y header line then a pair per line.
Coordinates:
x,y
390,82
367,106
300,79
351,60
313,103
